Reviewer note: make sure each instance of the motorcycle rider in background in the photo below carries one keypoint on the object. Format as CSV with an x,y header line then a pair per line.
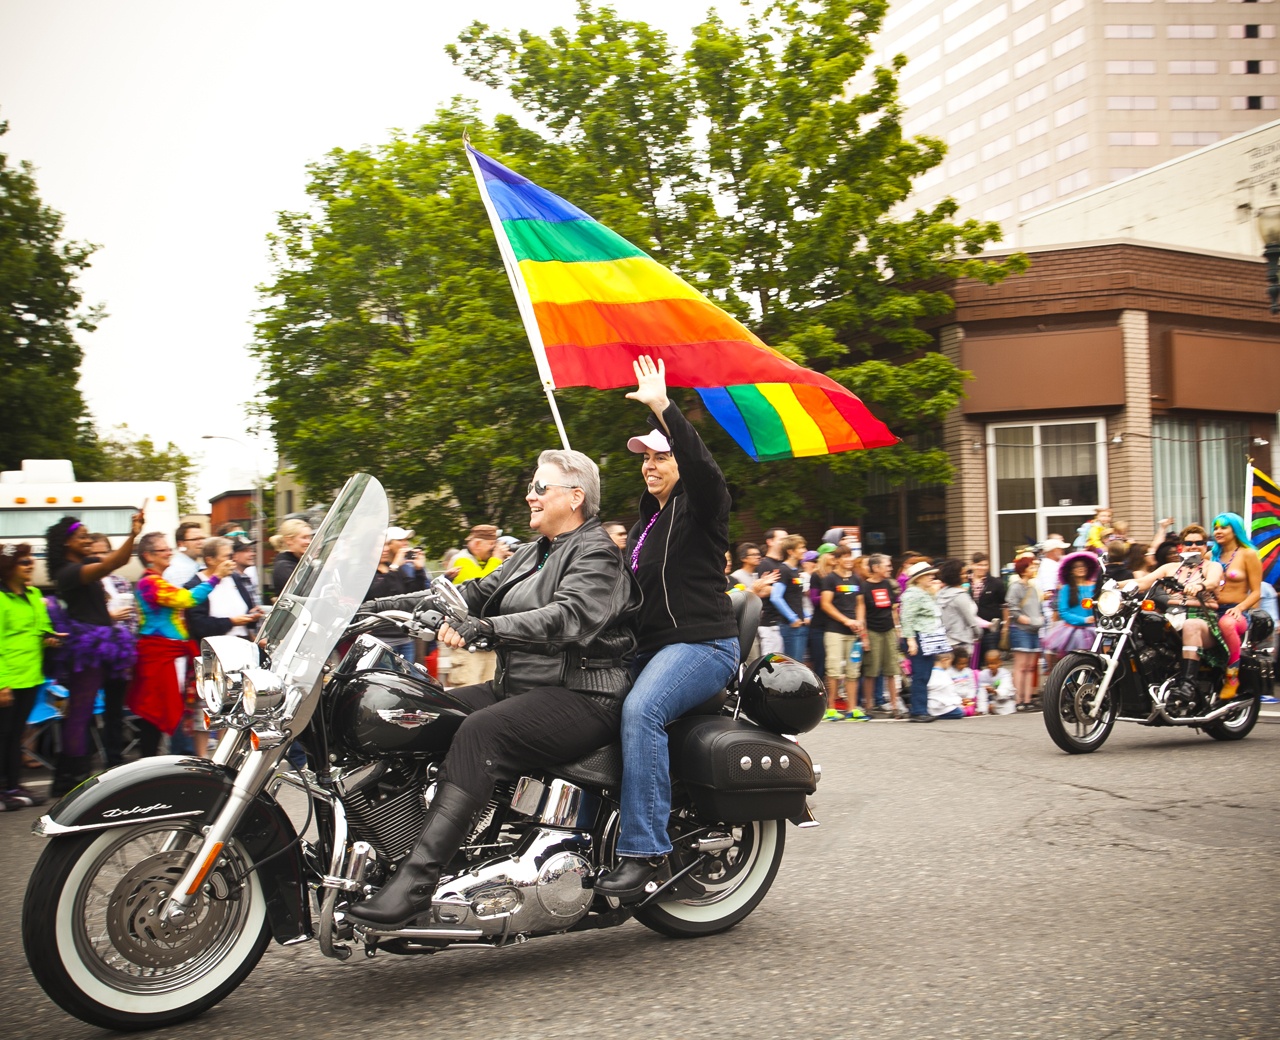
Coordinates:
x,y
1199,578
560,612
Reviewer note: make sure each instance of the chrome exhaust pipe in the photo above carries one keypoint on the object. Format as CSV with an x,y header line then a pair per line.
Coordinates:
x,y
1198,720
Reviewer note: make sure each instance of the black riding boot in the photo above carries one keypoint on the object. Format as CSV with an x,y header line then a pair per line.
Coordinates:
x,y
1184,693
630,880
410,889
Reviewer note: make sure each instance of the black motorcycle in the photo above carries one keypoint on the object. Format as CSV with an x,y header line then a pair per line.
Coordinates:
x,y
1132,674
165,879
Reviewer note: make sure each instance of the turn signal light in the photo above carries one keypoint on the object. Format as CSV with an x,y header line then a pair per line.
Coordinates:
x,y
1148,604
1087,603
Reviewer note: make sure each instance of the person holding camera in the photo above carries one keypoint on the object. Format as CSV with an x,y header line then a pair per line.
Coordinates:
x,y
398,572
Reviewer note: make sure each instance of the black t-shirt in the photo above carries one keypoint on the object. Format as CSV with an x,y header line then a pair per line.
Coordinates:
x,y
844,597
880,596
86,603
769,615
793,591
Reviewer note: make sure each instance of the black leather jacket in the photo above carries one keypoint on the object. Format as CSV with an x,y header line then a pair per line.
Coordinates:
x,y
563,612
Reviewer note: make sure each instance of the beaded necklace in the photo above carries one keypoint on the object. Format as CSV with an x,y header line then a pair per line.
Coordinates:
x,y
1226,566
635,553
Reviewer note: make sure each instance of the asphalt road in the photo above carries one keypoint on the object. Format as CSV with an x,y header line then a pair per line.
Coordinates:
x,y
968,880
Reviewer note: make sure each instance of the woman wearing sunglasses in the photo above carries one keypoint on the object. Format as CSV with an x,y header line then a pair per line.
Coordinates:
x,y
559,613
687,630
1200,578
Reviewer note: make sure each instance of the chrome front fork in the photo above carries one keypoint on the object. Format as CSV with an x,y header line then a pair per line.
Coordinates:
x,y
253,777
1094,704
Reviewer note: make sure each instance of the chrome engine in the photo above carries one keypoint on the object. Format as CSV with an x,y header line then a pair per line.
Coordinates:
x,y
542,888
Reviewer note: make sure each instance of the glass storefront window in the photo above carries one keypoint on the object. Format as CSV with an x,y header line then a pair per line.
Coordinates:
x,y
1044,478
1198,467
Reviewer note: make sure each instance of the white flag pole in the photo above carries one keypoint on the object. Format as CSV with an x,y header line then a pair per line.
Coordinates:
x,y
521,291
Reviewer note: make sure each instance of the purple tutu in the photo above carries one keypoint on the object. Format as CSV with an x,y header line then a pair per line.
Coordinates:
x,y
1061,638
113,648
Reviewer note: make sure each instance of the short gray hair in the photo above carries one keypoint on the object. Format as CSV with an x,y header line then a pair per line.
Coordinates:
x,y
580,471
147,544
876,559
212,545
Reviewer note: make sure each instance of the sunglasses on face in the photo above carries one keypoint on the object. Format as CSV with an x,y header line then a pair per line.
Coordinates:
x,y
26,561
1194,542
539,488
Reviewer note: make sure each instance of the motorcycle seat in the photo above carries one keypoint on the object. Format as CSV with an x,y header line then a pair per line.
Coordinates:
x,y
603,767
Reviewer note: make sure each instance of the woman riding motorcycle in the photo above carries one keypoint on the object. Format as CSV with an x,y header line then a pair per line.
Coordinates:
x,y
1199,579
559,611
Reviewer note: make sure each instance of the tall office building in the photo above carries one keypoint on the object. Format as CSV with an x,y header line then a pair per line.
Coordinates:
x,y
1041,100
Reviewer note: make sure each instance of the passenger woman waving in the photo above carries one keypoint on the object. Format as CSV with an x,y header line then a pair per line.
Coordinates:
x,y
688,636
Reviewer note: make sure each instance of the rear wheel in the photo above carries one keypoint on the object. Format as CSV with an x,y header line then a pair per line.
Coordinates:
x,y
1075,720
1237,724
94,939
725,887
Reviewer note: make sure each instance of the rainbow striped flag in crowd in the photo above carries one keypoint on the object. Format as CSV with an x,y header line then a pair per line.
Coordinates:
x,y
1264,523
592,303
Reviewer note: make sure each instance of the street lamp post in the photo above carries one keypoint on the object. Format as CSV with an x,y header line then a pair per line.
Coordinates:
x,y
257,506
1268,220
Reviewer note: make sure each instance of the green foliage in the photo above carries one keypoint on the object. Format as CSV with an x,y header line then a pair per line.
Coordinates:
x,y
389,337
788,205
127,456
40,309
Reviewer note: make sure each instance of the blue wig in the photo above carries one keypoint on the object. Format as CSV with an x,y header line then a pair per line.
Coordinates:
x,y
1236,522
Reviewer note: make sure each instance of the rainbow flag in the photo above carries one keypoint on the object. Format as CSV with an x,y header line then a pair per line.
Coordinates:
x,y
592,303
1264,523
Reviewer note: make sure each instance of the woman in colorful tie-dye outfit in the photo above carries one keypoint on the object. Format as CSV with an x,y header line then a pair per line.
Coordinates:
x,y
164,647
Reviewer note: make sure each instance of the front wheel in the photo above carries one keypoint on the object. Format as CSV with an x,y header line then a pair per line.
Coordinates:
x,y
1074,720
724,888
94,939
1237,724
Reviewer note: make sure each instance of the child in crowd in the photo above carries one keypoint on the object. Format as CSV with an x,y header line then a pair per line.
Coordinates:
x,y
944,694
965,680
996,682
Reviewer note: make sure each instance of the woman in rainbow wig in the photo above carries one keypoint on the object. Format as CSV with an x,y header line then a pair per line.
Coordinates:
x,y
1239,590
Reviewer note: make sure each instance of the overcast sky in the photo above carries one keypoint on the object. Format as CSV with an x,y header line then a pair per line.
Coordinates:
x,y
170,134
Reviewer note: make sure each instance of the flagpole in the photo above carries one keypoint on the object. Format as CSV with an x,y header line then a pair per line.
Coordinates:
x,y
523,301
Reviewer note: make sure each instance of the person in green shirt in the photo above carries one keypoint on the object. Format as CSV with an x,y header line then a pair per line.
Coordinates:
x,y
25,630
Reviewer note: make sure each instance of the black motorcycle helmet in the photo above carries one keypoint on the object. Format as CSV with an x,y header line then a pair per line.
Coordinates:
x,y
782,695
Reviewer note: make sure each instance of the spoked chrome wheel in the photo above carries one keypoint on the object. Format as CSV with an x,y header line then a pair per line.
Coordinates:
x,y
724,887
96,942
1077,715
1237,724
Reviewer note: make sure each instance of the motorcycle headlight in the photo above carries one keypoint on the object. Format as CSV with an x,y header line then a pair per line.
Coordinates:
x,y
212,683
1109,601
261,690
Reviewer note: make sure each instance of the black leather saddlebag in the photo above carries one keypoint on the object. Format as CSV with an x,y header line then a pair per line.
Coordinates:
x,y
736,772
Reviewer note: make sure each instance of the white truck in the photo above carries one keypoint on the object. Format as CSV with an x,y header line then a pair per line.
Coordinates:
x,y
36,497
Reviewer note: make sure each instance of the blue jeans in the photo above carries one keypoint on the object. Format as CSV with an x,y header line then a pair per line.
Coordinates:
x,y
921,669
669,682
794,642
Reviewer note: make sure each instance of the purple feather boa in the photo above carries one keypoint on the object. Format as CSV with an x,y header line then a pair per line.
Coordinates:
x,y
113,648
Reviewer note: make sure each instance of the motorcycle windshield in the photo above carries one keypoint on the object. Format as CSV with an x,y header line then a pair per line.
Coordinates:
x,y
330,582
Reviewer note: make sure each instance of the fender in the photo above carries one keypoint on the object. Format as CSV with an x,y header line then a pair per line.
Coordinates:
x,y
193,790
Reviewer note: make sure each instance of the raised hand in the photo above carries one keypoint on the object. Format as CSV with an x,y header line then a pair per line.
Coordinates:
x,y
651,383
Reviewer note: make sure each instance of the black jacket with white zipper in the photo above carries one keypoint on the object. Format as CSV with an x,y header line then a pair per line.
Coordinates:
x,y
681,563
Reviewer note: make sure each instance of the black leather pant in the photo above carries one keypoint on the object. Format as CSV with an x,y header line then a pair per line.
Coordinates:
x,y
504,738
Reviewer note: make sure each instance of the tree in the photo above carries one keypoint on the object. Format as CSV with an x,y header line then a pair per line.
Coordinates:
x,y
391,343
127,456
790,207
40,311
389,337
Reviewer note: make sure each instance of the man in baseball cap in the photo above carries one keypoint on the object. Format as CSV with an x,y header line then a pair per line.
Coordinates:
x,y
475,561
